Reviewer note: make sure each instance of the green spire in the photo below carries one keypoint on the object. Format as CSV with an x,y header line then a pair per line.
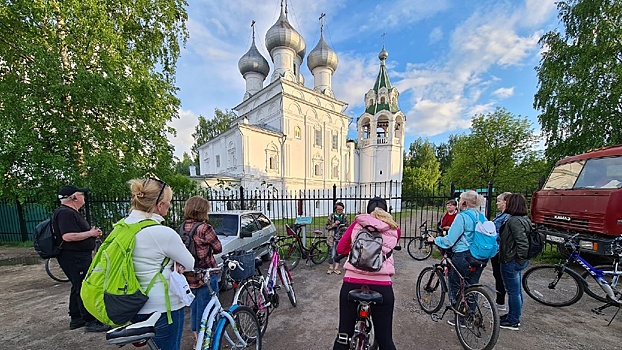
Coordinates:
x,y
382,81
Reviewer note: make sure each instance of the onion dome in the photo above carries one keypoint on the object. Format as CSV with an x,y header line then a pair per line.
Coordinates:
x,y
383,54
283,34
322,56
253,61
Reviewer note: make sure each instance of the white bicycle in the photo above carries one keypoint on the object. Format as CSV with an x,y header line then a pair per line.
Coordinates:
x,y
259,292
236,328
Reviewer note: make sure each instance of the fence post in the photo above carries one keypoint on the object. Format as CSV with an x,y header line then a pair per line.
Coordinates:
x,y
489,199
22,220
452,190
334,195
242,202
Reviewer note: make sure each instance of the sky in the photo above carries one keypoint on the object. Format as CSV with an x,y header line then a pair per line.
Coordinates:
x,y
449,59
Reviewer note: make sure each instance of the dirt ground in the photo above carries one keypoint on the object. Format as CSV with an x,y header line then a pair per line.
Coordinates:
x,y
33,310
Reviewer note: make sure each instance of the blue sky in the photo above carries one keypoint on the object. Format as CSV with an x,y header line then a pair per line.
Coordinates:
x,y
450,59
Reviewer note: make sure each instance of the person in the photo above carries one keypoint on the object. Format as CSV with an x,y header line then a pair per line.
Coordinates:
x,y
333,224
458,239
513,250
206,245
499,220
448,217
380,281
77,241
151,199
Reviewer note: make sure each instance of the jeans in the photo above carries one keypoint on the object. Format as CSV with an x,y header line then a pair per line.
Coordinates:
x,y
167,336
332,253
470,277
75,265
382,315
512,274
201,299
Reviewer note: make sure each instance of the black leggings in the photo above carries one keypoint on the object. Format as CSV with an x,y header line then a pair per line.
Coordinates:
x,y
382,315
496,272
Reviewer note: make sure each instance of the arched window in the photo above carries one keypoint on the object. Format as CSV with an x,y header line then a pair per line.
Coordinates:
x,y
297,132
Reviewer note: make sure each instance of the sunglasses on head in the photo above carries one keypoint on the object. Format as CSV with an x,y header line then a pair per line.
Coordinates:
x,y
164,184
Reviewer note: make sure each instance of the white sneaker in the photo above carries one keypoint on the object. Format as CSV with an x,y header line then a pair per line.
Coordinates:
x,y
502,307
453,324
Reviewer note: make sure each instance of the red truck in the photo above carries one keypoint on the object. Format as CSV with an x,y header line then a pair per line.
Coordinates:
x,y
583,194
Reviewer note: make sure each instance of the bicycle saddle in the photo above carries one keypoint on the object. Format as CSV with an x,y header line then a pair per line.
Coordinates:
x,y
366,295
133,332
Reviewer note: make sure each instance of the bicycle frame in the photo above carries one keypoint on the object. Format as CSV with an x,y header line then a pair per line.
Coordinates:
x,y
596,274
293,232
445,266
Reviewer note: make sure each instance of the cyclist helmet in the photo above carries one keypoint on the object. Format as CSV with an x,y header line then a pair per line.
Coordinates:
x,y
376,202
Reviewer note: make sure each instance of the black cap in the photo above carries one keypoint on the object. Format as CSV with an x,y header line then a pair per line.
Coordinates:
x,y
67,191
376,202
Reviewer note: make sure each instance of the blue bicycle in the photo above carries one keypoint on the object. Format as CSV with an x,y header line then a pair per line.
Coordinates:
x,y
559,285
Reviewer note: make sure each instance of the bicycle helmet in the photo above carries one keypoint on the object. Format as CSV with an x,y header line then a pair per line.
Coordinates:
x,y
376,202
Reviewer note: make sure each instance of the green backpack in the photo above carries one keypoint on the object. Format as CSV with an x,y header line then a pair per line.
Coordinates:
x,y
110,291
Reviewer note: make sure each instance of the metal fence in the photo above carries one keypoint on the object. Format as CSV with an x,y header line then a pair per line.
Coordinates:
x,y
17,220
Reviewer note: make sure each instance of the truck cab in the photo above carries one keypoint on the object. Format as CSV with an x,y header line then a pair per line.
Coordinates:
x,y
582,195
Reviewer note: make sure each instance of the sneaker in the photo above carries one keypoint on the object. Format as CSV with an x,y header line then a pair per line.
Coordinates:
x,y
504,317
76,323
502,307
453,324
96,327
507,325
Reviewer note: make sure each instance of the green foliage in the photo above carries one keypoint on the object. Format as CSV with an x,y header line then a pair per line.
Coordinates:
x,y
421,168
579,92
183,166
500,148
86,91
209,129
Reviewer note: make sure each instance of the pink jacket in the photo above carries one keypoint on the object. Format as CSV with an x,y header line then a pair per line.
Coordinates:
x,y
389,241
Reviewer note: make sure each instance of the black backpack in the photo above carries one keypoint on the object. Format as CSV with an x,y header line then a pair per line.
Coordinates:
x,y
45,241
535,238
187,238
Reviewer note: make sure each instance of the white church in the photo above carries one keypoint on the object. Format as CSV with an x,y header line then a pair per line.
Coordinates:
x,y
292,138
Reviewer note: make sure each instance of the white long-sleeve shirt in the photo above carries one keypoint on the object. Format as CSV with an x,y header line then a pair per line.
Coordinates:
x,y
153,245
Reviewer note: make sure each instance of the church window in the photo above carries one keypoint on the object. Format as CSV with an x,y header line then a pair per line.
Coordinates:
x,y
217,161
318,138
271,163
335,141
297,132
317,170
335,171
272,158
383,100
366,131
231,155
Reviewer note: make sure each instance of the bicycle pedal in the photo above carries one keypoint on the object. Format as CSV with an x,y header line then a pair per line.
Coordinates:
x,y
597,311
435,317
276,287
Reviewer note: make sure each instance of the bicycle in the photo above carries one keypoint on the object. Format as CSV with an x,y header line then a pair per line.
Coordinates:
x,y
292,251
53,269
234,328
558,285
418,247
259,292
476,323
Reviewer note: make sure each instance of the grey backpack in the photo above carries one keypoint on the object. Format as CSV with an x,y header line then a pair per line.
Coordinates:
x,y
366,251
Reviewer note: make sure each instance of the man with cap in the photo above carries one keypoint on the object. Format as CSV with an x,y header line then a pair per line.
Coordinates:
x,y
77,241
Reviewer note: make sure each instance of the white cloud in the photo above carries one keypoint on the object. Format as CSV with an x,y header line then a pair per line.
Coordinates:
x,y
504,92
184,125
435,35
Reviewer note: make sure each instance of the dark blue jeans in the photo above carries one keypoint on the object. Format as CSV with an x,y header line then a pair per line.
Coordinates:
x,y
512,273
201,299
167,336
470,277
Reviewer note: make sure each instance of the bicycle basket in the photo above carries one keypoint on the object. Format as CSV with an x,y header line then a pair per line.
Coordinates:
x,y
247,262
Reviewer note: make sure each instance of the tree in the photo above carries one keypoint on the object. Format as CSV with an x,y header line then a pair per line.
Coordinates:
x,y
421,168
579,90
86,91
209,129
498,149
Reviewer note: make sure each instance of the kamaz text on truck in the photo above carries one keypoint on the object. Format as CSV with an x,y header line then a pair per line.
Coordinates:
x,y
582,195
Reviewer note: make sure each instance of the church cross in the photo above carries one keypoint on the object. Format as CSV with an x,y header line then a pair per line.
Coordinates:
x,y
253,26
322,21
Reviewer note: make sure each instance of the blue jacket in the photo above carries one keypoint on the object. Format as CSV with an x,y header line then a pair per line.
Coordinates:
x,y
499,220
462,224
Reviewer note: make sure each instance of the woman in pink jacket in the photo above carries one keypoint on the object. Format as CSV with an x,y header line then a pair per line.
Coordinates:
x,y
380,281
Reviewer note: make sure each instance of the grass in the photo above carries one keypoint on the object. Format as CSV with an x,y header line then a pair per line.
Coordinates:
x,y
26,244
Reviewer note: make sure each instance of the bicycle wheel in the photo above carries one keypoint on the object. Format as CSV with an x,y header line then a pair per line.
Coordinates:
x,y
477,326
593,289
418,249
319,252
373,343
431,290
246,325
552,285
290,254
252,294
286,280
52,268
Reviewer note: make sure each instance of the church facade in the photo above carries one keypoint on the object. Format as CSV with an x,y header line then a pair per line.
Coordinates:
x,y
289,137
